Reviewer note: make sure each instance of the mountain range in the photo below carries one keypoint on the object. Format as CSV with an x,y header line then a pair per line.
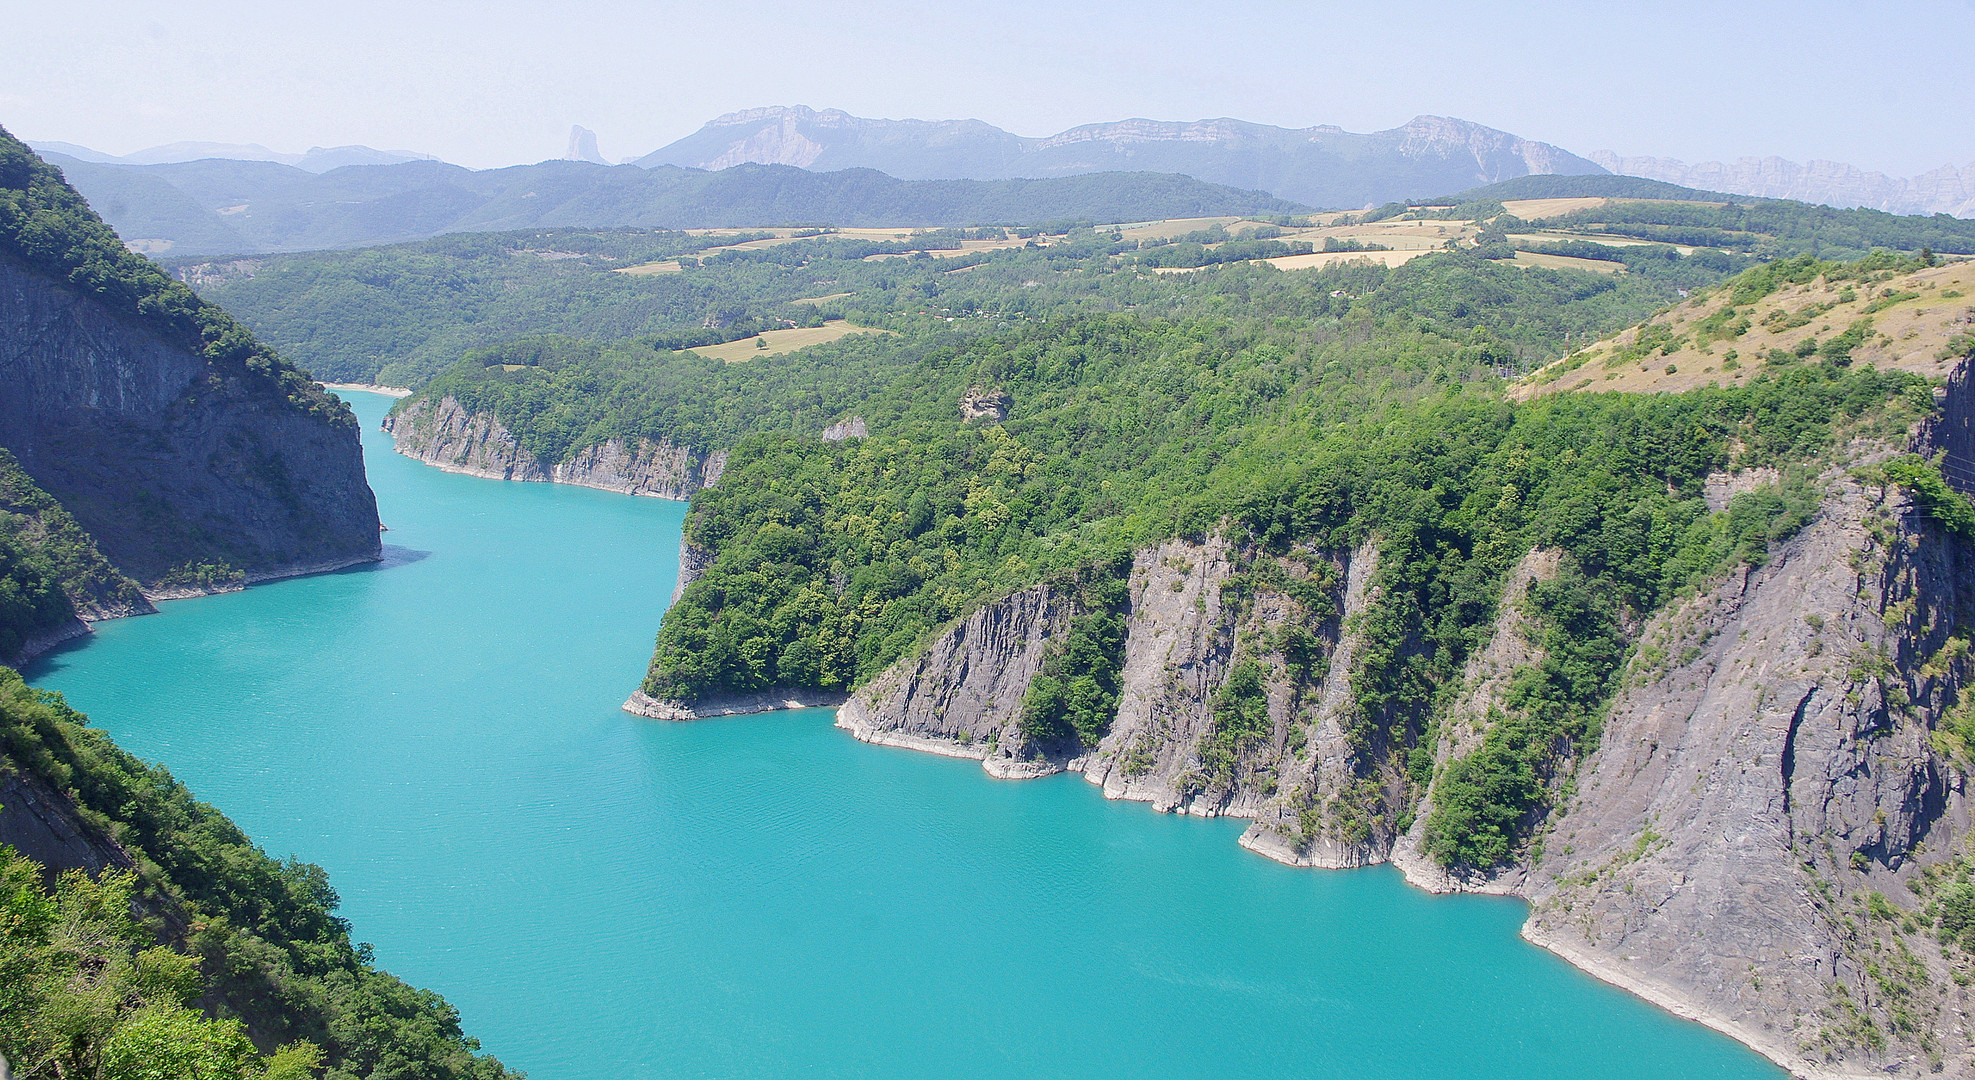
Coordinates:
x,y
318,159
1323,166
826,166
231,207
1946,190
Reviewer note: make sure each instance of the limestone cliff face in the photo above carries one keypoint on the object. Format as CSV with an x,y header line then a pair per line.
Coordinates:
x,y
1767,770
1753,841
963,695
446,435
169,464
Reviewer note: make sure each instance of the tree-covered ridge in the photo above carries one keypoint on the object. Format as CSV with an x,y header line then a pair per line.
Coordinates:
x,y
1444,317
217,207
262,943
48,227
1775,228
835,559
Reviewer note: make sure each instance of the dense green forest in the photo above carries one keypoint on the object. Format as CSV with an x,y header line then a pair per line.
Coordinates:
x,y
559,394
1322,407
227,930
46,225
404,314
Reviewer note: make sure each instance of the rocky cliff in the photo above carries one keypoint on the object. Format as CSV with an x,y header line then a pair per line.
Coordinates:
x,y
170,464
445,434
1770,835
149,429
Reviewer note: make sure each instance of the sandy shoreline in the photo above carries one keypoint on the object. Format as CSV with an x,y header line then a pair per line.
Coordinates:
x,y
369,388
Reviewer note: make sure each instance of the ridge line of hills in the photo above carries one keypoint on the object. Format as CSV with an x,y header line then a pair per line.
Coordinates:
x,y
1220,150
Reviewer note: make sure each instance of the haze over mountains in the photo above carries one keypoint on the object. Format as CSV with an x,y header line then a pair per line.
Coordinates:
x,y
1323,166
809,166
222,207
1946,190
318,159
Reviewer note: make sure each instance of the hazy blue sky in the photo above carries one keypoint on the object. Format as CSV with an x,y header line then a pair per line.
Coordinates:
x,y
1881,85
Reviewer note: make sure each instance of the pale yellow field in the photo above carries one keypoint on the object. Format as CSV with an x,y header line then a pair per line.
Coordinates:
x,y
1536,209
1607,239
1532,209
1319,258
967,247
1166,230
783,341
1328,258
782,236
1908,335
1567,262
820,299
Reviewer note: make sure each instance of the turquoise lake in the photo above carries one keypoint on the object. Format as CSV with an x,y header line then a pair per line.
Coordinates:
x,y
605,897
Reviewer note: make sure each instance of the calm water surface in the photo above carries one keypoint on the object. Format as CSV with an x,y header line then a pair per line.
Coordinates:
x,y
605,897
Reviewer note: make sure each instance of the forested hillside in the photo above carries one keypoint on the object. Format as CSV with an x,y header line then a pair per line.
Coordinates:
x,y
169,945
147,439
401,314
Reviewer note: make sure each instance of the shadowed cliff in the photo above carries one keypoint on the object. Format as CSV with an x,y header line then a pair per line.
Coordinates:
x,y
193,456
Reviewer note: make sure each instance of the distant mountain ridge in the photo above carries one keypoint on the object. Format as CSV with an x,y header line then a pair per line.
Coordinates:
x,y
231,207
1946,190
1322,166
318,159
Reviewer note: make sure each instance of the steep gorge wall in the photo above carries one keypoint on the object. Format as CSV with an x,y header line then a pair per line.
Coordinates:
x,y
446,435
1751,842
963,695
1767,770
164,462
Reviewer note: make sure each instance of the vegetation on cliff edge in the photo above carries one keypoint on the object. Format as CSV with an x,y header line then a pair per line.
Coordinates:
x,y
48,227
259,941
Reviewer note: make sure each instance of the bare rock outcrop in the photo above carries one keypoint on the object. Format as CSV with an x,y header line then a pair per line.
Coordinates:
x,y
1741,845
171,462
983,404
963,695
850,427
43,824
446,435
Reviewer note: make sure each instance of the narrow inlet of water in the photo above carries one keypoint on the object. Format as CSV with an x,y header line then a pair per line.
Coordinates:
x,y
610,898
